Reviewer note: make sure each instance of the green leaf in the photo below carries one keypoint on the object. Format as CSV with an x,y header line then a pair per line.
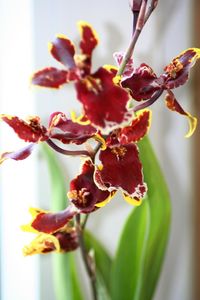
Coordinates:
x,y
65,277
160,208
103,261
127,266
142,246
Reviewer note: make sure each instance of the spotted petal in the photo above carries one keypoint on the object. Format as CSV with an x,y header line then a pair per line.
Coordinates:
x,y
121,169
137,130
62,49
173,105
29,131
104,102
143,83
89,39
50,77
83,191
177,72
88,43
48,222
67,131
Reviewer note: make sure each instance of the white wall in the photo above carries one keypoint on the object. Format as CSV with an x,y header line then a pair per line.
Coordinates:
x,y
18,182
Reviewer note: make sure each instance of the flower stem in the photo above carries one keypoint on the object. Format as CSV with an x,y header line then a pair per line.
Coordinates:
x,y
88,261
141,20
67,152
149,102
85,221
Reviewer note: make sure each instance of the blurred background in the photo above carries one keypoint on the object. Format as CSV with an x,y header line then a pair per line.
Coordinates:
x,y
25,29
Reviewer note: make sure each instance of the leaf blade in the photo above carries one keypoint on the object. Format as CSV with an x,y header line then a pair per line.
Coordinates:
x,y
125,282
147,247
159,202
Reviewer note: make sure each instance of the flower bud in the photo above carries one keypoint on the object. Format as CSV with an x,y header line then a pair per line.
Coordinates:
x,y
135,5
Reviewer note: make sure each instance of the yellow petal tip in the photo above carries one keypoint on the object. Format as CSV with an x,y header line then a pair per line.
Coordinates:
x,y
192,125
132,201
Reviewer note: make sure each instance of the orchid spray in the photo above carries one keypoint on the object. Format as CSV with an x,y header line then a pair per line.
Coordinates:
x,y
115,103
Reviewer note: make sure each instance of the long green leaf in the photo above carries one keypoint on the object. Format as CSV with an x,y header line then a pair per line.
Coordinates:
x,y
127,265
160,208
142,246
64,271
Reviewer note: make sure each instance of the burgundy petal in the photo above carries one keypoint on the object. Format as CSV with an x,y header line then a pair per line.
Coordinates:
x,y
121,169
50,77
104,102
83,191
177,72
89,39
137,130
48,222
29,131
68,131
88,42
143,83
63,50
68,240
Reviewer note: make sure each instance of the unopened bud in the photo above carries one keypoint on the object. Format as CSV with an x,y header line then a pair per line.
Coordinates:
x,y
135,5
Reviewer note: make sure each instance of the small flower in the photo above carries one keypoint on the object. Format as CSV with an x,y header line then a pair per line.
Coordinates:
x,y
143,83
84,193
76,65
30,130
55,232
60,128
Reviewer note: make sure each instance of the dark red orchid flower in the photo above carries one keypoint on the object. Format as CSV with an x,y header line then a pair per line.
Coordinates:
x,y
84,193
60,128
55,233
76,66
144,85
105,103
120,167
